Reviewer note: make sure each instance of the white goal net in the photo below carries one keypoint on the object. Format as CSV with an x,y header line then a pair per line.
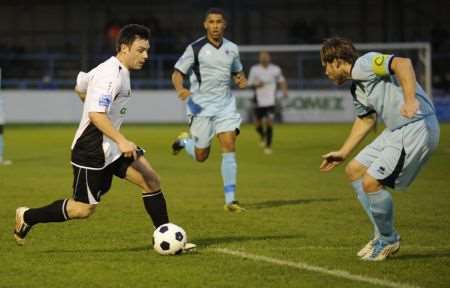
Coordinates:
x,y
301,63
312,96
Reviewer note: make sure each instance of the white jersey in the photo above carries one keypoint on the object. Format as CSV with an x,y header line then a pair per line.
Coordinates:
x,y
269,76
108,90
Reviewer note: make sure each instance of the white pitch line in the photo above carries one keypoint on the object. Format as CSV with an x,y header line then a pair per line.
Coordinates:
x,y
404,247
304,266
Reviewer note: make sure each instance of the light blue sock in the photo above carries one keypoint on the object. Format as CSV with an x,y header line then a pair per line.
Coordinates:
x,y
1,147
229,171
189,147
364,200
382,209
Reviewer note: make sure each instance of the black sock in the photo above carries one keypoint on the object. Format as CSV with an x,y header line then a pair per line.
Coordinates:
x,y
269,136
260,131
155,205
55,212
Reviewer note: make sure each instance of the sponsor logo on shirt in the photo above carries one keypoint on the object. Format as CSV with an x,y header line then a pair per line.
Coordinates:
x,y
105,100
123,110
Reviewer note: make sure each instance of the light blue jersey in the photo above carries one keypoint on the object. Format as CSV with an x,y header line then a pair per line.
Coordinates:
x,y
210,68
375,89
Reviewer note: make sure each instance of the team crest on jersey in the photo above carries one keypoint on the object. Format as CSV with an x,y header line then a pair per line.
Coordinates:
x,y
123,111
105,100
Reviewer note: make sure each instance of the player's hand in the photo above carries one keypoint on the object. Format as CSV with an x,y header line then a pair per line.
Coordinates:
x,y
331,160
409,109
183,93
240,80
128,149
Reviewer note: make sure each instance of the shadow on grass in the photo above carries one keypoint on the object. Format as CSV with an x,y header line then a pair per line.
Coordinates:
x,y
101,250
201,242
278,203
434,254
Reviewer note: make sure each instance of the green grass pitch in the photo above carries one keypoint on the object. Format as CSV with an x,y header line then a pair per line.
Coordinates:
x,y
295,214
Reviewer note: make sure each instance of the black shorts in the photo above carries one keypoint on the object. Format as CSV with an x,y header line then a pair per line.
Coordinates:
x,y
264,112
90,185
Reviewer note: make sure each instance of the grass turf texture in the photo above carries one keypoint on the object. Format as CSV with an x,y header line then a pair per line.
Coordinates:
x,y
295,213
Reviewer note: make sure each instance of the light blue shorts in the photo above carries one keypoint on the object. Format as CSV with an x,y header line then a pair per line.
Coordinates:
x,y
395,158
204,128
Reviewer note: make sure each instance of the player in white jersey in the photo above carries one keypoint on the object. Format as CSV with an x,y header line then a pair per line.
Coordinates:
x,y
211,63
99,150
383,86
265,78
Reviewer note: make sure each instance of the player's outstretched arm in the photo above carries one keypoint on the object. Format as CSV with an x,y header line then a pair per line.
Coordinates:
x,y
103,123
177,81
240,80
403,69
360,129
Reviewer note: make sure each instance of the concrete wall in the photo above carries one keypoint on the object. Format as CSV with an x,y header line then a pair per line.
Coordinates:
x,y
162,106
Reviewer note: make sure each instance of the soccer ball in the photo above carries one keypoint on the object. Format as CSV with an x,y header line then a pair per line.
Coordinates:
x,y
169,239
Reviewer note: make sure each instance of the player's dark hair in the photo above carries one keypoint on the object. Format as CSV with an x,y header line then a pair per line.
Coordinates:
x,y
216,11
131,32
338,48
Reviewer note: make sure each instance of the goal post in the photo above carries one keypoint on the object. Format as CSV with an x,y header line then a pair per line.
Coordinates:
x,y
301,63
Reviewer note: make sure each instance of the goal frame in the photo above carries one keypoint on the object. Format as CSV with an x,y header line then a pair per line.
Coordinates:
x,y
423,48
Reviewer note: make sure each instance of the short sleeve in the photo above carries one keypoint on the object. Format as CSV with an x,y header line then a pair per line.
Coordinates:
x,y
82,81
186,60
371,65
361,110
101,92
236,66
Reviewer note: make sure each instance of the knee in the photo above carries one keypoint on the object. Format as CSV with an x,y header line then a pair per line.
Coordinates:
x,y
228,147
201,156
153,182
370,184
353,171
81,211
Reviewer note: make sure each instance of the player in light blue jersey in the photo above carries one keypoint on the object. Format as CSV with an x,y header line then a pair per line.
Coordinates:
x,y
211,63
383,86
